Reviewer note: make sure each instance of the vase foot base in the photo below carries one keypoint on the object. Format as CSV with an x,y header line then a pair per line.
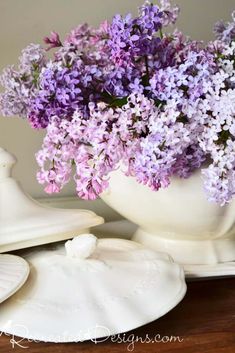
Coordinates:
x,y
226,269
190,252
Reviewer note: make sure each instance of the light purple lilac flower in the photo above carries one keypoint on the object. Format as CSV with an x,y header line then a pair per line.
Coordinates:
x,y
170,13
21,85
225,32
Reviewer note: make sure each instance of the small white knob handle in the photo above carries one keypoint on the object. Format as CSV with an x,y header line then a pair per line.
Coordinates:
x,y
82,246
7,160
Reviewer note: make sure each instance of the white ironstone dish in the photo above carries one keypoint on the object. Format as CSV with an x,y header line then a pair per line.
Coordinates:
x,y
26,223
127,229
178,220
14,272
121,286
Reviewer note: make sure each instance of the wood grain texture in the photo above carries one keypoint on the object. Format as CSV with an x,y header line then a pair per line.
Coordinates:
x,y
204,321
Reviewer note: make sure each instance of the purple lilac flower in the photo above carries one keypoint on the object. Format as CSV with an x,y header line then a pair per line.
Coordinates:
x,y
21,85
126,93
87,39
63,90
184,82
79,36
130,38
190,160
53,41
170,13
138,139
225,32
58,95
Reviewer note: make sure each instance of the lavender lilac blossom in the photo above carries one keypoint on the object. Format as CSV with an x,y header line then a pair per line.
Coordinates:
x,y
21,85
127,94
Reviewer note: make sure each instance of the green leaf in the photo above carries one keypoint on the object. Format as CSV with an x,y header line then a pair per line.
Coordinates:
x,y
145,80
182,119
158,103
114,101
223,137
118,102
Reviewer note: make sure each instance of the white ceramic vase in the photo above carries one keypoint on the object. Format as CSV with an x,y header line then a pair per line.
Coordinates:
x,y
178,220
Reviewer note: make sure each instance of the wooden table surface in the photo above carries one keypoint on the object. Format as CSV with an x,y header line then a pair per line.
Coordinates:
x,y
204,322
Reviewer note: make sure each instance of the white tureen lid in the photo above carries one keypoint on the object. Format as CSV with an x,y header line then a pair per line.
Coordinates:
x,y
14,272
90,289
25,223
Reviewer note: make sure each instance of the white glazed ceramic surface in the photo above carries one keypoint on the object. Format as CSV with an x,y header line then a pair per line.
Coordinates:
x,y
120,287
128,229
178,220
25,223
14,272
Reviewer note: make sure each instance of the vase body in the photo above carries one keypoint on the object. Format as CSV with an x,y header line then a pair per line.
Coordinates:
x,y
178,220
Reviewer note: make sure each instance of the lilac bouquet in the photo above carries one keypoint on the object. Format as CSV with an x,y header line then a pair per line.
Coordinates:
x,y
127,94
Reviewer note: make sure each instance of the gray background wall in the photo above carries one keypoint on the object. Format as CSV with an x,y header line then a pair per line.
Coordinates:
x,y
26,21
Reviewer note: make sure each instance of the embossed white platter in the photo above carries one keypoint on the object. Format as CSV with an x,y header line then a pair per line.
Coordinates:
x,y
14,272
121,286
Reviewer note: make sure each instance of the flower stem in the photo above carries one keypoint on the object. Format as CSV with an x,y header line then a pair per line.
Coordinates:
x,y
147,66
